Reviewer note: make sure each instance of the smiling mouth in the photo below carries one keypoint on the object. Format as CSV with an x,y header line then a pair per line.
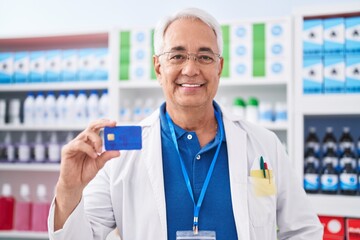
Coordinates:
x,y
191,85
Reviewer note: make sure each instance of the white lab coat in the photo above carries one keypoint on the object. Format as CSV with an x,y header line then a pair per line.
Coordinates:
x,y
128,193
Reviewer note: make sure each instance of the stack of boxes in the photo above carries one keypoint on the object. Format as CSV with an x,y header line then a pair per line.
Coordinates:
x,y
331,55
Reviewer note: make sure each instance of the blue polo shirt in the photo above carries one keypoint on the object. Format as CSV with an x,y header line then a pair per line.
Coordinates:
x,y
216,213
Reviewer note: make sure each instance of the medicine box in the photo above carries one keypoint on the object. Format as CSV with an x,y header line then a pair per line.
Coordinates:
x,y
352,35
6,67
101,68
334,74
334,36
69,62
352,82
312,37
53,66
37,66
86,64
334,227
352,229
21,67
312,75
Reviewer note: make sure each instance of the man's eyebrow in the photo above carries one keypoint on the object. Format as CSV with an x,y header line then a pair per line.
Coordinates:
x,y
201,49
178,48
205,49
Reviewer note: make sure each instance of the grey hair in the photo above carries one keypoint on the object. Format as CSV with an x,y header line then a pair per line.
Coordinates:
x,y
188,13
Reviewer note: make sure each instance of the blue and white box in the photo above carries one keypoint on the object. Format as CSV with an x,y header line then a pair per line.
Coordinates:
x,y
69,63
312,37
21,67
101,71
53,66
352,73
6,67
86,64
312,75
334,74
352,35
334,36
37,66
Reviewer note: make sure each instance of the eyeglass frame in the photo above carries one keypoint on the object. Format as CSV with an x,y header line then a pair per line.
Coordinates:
x,y
195,57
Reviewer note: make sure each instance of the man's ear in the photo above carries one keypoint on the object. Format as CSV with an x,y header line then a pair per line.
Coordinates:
x,y
157,66
221,65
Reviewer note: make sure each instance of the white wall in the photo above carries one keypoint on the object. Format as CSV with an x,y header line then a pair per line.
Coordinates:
x,y
24,17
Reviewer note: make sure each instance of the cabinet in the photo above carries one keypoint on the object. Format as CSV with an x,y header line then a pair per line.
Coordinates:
x,y
261,83
325,106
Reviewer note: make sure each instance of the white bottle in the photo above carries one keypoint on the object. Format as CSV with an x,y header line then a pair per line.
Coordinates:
x,y
54,149
70,107
68,138
93,106
14,111
29,109
61,108
265,112
23,149
2,112
10,148
280,112
148,107
40,109
50,109
239,107
252,110
39,148
104,105
81,108
125,111
137,110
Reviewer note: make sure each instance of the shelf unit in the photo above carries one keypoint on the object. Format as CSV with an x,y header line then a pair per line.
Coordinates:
x,y
309,105
23,235
268,88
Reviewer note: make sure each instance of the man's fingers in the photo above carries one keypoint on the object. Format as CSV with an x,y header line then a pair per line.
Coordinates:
x,y
93,139
80,146
97,125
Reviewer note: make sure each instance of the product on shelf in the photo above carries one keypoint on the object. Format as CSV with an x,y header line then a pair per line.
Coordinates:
x,y
348,174
6,67
14,111
39,109
280,112
239,107
53,149
22,217
81,108
21,67
352,229
37,67
252,110
38,149
334,227
7,204
104,105
23,149
311,172
329,177
29,109
50,109
329,140
8,149
40,210
2,111
93,106
312,141
53,65
346,140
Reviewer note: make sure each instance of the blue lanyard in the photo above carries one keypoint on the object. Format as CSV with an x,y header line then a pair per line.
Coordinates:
x,y
197,205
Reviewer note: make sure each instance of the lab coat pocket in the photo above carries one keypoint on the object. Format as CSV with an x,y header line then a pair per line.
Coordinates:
x,y
262,201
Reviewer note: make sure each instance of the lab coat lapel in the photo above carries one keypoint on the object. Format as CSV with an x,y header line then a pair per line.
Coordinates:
x,y
154,165
237,157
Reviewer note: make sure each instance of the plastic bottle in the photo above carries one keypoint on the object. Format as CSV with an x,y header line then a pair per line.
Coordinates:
x,y
39,148
311,178
2,112
14,111
81,108
148,107
329,140
104,104
93,106
22,218
10,148
40,210
329,177
332,157
40,109
312,141
23,149
29,109
70,108
252,110
125,111
54,149
7,205
265,112
137,110
61,108
50,109
281,112
346,140
310,157
239,107
348,180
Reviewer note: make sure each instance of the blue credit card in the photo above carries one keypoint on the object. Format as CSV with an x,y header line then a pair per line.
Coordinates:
x,y
122,138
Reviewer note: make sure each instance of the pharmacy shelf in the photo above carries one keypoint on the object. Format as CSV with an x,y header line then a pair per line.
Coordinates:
x,y
335,205
47,86
23,235
330,104
275,126
35,167
20,128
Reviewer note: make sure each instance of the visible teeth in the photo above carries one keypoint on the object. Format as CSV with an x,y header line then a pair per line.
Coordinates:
x,y
190,85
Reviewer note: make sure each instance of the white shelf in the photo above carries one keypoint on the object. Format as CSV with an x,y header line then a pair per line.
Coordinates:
x,y
329,104
38,167
24,234
47,86
329,205
261,82
19,127
275,126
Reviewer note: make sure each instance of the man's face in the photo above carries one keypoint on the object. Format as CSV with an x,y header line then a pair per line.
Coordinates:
x,y
192,83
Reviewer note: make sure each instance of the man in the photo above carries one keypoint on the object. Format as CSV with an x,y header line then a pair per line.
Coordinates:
x,y
200,167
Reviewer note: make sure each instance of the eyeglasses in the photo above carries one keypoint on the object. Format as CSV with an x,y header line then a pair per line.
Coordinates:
x,y
178,58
